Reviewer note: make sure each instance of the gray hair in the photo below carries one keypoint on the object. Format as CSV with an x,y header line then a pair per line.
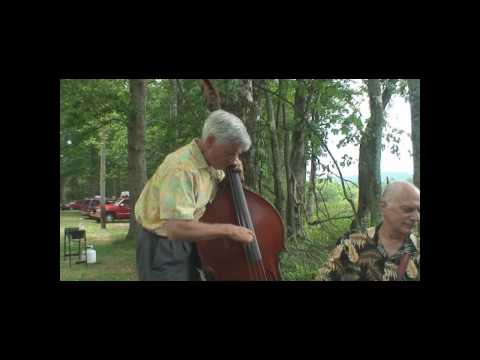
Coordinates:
x,y
392,189
227,128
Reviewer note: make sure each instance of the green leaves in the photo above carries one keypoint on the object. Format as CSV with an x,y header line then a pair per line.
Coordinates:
x,y
346,160
393,138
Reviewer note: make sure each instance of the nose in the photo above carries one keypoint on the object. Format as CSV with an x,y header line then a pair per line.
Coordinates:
x,y
233,160
416,216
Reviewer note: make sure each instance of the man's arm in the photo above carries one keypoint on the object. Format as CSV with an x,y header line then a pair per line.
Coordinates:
x,y
196,231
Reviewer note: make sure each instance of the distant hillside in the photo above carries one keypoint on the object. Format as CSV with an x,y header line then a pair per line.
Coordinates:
x,y
391,176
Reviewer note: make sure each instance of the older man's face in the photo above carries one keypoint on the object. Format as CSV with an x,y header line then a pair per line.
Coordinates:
x,y
402,212
219,155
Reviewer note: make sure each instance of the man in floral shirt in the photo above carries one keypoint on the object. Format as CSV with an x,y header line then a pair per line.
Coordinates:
x,y
387,252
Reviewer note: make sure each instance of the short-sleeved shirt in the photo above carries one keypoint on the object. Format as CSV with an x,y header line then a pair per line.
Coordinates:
x,y
359,256
180,189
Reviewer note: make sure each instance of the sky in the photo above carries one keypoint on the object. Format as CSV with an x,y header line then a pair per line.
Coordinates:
x,y
398,116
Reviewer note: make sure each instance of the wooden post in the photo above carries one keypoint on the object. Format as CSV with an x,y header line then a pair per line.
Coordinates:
x,y
102,182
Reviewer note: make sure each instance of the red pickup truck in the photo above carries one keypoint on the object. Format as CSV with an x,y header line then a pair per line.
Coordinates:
x,y
118,210
77,204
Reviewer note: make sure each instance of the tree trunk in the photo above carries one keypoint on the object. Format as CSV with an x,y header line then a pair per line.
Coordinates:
x,y
369,179
277,175
114,186
137,171
172,129
76,190
414,96
249,116
279,127
297,159
311,195
290,205
62,189
93,188
258,130
102,182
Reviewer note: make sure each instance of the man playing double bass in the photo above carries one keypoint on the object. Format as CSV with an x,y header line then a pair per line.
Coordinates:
x,y
174,199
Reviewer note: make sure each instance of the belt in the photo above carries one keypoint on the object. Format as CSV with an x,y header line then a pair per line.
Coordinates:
x,y
155,234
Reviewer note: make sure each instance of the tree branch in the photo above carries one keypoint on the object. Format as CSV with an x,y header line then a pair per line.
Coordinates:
x,y
318,222
275,94
343,183
351,182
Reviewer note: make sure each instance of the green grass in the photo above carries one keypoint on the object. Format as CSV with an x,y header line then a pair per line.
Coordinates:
x,y
303,258
115,255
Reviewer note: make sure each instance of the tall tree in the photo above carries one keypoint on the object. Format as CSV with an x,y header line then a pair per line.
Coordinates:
x,y
276,156
283,86
172,128
137,171
93,179
62,189
311,194
249,114
414,97
296,175
86,107
369,178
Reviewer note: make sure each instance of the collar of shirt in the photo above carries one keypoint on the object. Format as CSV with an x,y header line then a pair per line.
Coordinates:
x,y
199,160
407,247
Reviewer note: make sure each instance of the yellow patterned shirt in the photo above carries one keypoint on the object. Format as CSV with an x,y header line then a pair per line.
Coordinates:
x,y
180,189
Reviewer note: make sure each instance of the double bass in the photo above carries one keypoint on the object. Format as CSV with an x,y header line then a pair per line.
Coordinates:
x,y
226,260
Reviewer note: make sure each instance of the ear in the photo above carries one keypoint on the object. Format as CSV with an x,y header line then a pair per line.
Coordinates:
x,y
382,204
210,140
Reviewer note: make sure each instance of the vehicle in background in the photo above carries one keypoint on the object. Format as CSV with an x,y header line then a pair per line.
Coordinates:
x,y
117,211
92,205
86,205
86,208
64,206
76,204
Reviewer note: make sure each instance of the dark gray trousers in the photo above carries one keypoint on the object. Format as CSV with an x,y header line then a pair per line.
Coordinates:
x,y
160,259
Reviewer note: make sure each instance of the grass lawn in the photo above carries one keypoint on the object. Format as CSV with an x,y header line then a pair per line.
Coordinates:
x,y
115,256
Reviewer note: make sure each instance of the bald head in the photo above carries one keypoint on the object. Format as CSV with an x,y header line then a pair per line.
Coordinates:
x,y
400,207
398,188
